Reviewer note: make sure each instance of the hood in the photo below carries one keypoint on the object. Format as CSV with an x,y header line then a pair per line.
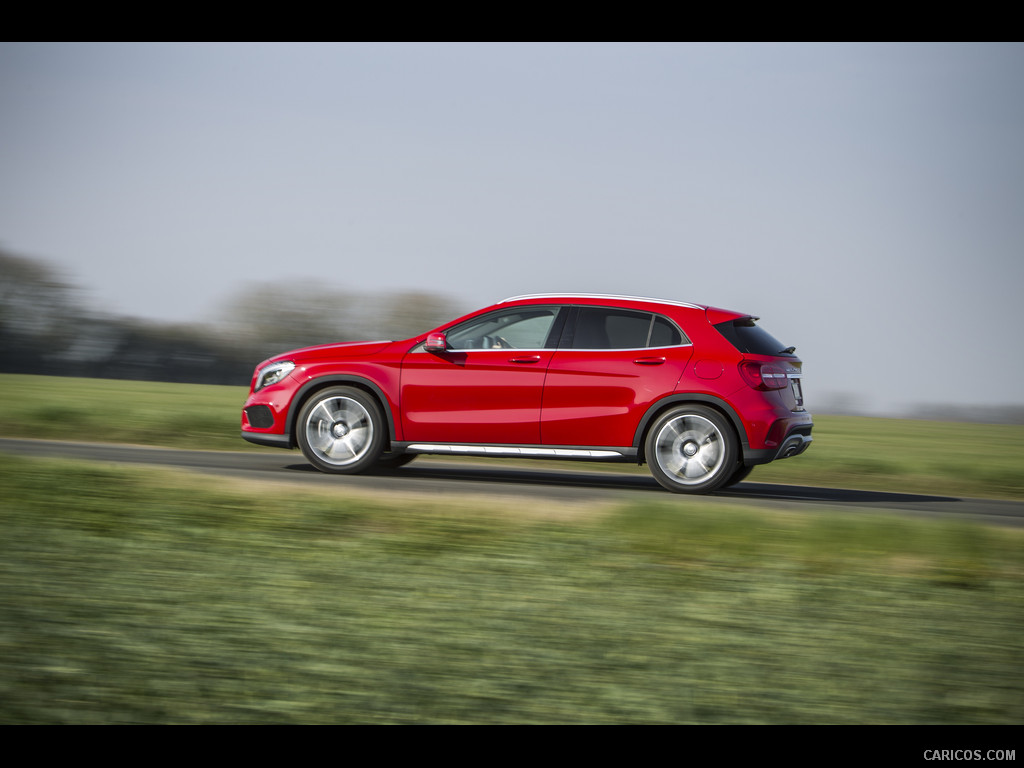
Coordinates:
x,y
333,351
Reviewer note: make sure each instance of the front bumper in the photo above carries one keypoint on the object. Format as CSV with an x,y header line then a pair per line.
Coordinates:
x,y
265,423
262,438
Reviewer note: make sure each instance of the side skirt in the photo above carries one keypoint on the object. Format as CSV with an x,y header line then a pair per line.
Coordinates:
x,y
581,453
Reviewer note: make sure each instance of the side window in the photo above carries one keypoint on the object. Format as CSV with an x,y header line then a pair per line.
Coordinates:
x,y
610,328
607,328
664,333
523,328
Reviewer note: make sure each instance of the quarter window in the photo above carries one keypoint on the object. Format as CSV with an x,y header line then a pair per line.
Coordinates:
x,y
664,333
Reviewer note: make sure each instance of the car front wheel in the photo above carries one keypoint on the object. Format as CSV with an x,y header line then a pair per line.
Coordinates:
x,y
692,449
341,430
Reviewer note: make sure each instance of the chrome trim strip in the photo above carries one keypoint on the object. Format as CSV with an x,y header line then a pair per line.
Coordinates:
x,y
601,296
507,350
419,348
508,450
619,349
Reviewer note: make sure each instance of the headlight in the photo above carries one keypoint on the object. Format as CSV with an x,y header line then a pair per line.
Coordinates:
x,y
272,374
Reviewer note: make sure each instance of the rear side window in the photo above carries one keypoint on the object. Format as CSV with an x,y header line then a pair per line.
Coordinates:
x,y
750,338
611,328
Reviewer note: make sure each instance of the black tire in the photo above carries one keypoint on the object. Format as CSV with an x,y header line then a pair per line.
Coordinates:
x,y
394,460
692,449
738,476
340,430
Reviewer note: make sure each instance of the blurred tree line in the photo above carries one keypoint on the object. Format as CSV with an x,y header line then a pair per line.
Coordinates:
x,y
46,329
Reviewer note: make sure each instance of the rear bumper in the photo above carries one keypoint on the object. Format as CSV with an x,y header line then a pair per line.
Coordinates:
x,y
795,439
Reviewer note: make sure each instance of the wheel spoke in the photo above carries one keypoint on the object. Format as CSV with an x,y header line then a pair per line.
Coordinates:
x,y
705,468
340,449
326,410
319,440
674,464
673,430
706,434
348,411
355,441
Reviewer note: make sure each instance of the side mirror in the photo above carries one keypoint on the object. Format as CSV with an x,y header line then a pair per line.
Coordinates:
x,y
436,342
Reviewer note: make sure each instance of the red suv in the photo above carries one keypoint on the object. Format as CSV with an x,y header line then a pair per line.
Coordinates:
x,y
700,394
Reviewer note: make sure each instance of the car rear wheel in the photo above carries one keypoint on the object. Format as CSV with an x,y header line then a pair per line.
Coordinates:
x,y
692,449
341,430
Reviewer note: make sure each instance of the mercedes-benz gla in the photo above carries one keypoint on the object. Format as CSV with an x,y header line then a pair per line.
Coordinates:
x,y
702,395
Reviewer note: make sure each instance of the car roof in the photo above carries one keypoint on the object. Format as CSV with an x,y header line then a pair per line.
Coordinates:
x,y
569,297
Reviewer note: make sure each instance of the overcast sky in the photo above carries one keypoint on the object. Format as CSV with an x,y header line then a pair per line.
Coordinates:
x,y
866,201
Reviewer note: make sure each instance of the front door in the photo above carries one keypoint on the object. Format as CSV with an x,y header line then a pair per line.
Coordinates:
x,y
487,386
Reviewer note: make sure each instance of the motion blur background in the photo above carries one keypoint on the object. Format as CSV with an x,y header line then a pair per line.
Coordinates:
x,y
180,211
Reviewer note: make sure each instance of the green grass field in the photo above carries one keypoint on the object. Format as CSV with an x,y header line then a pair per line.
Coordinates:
x,y
138,412
134,595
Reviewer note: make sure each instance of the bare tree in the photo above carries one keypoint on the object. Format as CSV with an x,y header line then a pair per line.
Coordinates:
x,y
44,329
38,314
271,318
34,301
402,315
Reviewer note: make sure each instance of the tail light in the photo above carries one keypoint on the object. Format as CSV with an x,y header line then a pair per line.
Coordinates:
x,y
763,375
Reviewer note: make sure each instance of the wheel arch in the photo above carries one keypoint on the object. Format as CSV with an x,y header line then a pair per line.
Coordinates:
x,y
313,386
681,398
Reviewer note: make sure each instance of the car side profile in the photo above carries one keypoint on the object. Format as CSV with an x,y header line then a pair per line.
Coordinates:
x,y
702,395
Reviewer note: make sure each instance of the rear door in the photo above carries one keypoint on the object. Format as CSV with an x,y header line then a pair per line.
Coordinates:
x,y
611,364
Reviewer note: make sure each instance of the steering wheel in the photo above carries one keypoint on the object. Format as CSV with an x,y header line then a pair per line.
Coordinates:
x,y
496,342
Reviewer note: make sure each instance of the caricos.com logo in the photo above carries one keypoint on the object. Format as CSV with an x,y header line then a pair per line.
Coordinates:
x,y
970,754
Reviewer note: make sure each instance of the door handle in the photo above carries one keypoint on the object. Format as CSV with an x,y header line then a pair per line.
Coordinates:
x,y
525,359
649,360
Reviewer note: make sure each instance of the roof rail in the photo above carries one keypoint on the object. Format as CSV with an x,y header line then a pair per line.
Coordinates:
x,y
600,296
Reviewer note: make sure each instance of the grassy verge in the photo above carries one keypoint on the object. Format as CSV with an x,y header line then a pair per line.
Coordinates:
x,y
958,459
981,460
138,596
105,410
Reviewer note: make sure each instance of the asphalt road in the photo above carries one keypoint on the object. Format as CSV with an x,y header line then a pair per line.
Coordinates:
x,y
570,481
